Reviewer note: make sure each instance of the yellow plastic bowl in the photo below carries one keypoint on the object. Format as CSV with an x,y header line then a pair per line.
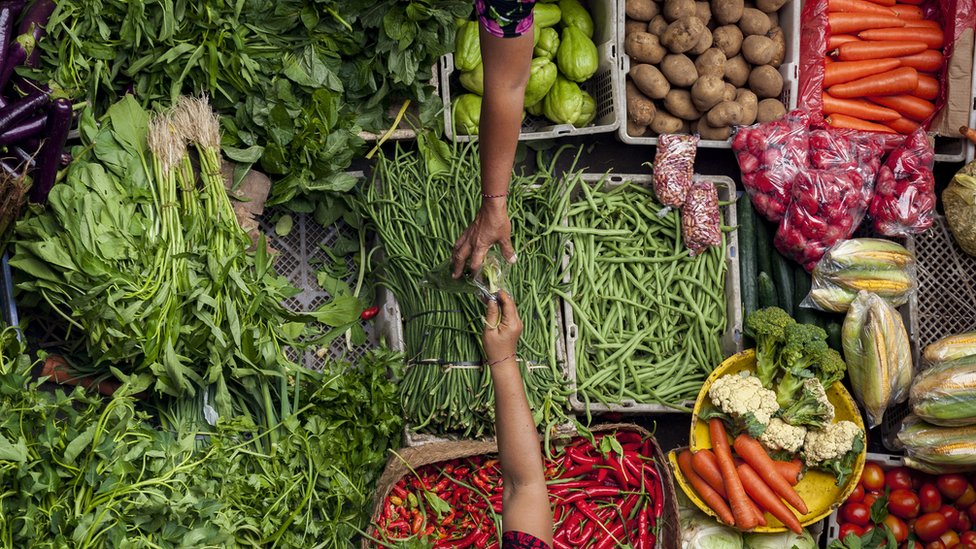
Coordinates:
x,y
816,488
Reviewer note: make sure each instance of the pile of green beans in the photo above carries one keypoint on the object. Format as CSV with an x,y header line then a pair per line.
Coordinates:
x,y
417,216
649,317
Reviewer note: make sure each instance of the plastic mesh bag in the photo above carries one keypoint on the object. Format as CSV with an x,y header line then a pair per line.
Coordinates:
x,y
904,199
770,156
701,220
674,168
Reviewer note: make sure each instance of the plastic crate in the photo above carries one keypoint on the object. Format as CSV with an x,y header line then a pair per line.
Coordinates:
x,y
404,129
602,86
789,21
886,462
732,338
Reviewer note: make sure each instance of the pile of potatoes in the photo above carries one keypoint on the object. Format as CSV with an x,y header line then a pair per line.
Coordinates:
x,y
702,66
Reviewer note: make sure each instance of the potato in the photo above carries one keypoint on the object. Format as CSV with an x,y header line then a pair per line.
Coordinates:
x,y
683,34
676,9
758,50
665,123
769,110
779,46
726,113
753,22
773,19
711,62
727,12
703,11
635,130
644,47
641,10
728,39
640,109
632,25
769,6
679,70
749,103
657,26
678,103
650,81
730,92
707,92
737,71
703,44
765,81
706,131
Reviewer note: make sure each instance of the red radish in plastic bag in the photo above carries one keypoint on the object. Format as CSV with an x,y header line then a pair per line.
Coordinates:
x,y
904,202
770,156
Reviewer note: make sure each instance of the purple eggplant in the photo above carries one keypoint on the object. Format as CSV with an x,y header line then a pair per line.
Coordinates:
x,y
59,120
10,170
20,49
34,23
9,10
23,156
21,109
29,128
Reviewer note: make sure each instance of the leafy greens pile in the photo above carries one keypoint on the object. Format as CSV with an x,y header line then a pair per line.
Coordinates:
x,y
297,80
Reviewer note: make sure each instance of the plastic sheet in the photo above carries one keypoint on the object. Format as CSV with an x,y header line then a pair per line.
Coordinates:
x,y
486,282
946,394
904,199
877,265
674,167
701,220
938,447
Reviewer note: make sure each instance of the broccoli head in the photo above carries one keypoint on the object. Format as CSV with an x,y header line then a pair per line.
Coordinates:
x,y
830,368
810,407
790,385
804,345
768,328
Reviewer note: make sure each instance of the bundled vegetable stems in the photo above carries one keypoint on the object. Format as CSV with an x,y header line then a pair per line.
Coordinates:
x,y
417,212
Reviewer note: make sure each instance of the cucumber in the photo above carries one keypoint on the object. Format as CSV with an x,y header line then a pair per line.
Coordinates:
x,y
801,287
833,336
764,246
747,255
767,291
783,278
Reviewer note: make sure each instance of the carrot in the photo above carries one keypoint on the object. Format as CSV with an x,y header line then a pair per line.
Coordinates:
x,y
888,3
706,465
925,61
755,455
908,12
707,493
850,122
765,497
928,88
933,38
968,133
838,39
858,108
900,80
790,470
922,23
857,51
908,105
741,510
845,71
913,2
903,125
858,6
842,23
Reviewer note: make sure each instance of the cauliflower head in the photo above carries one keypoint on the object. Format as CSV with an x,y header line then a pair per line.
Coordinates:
x,y
744,399
834,449
780,435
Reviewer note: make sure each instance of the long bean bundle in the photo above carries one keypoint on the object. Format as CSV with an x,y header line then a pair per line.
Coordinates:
x,y
417,215
649,317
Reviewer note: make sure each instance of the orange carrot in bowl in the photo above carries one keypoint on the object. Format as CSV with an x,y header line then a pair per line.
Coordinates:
x,y
766,498
741,507
790,470
908,105
933,38
755,455
706,465
845,71
852,123
858,6
842,23
858,108
864,49
894,82
707,493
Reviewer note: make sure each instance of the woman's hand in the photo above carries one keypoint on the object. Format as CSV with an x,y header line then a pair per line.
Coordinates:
x,y
502,328
491,225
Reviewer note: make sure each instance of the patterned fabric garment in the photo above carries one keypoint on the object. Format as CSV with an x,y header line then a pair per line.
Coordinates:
x,y
505,18
521,540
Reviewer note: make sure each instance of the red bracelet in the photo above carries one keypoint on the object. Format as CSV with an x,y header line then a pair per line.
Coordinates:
x,y
500,360
483,195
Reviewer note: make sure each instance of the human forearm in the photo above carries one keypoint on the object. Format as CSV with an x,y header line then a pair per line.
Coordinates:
x,y
518,443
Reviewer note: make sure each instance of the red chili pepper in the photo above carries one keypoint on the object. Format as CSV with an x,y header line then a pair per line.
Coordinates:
x,y
643,528
399,491
582,459
556,488
482,538
601,474
418,522
623,477
369,313
559,544
628,506
629,436
448,518
440,486
461,472
612,539
578,470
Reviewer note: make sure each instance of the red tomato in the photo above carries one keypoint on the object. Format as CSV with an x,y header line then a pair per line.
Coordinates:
x,y
929,497
951,515
930,526
951,486
968,537
967,498
856,513
897,527
903,503
972,513
950,538
898,478
937,544
870,498
857,495
962,522
873,478
848,528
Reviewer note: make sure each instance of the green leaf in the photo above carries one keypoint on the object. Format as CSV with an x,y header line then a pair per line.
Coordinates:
x,y
341,310
129,123
78,444
249,155
307,69
284,225
439,506
13,452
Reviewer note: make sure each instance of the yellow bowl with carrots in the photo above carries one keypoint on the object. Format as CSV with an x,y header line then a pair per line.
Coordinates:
x,y
816,488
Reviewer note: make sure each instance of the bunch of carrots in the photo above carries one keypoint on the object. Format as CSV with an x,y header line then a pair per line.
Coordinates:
x,y
882,65
741,491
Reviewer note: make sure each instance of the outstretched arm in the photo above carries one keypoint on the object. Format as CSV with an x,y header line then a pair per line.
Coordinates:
x,y
525,499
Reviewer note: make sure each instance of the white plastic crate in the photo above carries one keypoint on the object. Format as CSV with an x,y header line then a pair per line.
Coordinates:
x,y
731,340
886,462
602,85
789,21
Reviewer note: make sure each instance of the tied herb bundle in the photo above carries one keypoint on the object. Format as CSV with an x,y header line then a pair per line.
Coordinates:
x,y
417,208
147,260
297,80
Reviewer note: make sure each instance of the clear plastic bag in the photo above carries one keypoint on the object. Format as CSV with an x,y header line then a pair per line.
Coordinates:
x,y
947,449
873,264
486,282
904,199
770,156
674,167
878,356
945,394
701,220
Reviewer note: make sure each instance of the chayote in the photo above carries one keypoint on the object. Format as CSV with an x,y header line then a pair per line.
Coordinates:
x,y
548,43
467,47
587,111
564,102
542,75
546,15
576,57
575,15
467,114
534,110
474,80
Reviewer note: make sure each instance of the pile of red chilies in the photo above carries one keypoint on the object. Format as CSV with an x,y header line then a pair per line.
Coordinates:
x,y
599,500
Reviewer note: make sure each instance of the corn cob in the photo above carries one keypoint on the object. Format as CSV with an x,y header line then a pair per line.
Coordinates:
x,y
832,298
870,253
934,468
954,446
952,348
946,394
887,284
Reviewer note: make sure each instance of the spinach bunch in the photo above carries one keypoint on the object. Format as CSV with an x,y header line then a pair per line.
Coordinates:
x,y
297,79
